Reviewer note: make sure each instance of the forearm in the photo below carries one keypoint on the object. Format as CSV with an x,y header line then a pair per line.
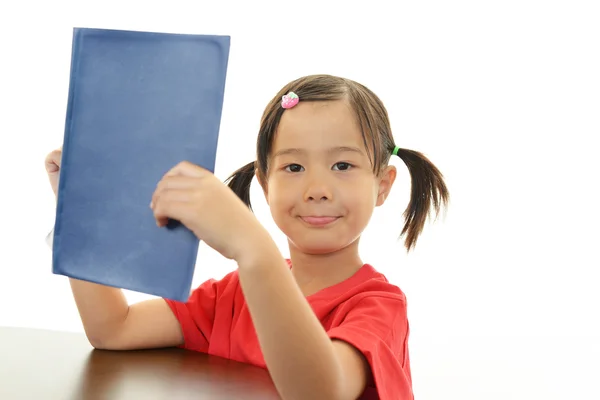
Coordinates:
x,y
298,353
101,308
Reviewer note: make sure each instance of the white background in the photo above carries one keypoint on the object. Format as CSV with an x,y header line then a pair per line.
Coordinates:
x,y
503,96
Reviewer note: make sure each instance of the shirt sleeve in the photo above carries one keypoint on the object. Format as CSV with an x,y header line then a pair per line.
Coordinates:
x,y
196,316
378,327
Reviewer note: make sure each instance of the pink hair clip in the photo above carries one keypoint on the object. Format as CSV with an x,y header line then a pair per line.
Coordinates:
x,y
289,100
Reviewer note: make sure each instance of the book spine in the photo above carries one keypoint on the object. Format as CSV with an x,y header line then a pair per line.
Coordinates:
x,y
64,167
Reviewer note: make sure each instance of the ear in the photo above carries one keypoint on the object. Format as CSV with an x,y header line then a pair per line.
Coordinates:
x,y
263,185
386,181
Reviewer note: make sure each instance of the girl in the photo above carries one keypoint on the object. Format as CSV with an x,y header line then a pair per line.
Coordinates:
x,y
324,323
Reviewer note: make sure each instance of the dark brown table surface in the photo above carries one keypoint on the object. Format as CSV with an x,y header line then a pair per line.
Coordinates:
x,y
40,364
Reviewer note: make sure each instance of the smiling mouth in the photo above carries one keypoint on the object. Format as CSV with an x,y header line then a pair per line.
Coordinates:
x,y
319,221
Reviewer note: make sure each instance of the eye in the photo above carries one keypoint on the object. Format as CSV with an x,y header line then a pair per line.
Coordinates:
x,y
342,166
294,168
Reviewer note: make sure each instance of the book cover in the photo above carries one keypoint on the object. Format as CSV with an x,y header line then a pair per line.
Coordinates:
x,y
139,103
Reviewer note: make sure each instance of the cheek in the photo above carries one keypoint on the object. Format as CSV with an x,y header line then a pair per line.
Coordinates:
x,y
362,204
362,199
281,196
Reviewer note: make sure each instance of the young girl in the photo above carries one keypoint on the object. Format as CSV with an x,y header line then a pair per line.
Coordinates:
x,y
324,323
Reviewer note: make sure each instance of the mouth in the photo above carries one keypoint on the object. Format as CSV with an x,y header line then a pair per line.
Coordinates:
x,y
319,220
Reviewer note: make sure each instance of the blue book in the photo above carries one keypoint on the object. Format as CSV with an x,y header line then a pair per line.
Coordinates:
x,y
139,103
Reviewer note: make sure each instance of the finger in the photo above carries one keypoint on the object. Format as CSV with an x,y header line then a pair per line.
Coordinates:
x,y
52,167
171,204
173,183
186,168
161,221
52,161
177,182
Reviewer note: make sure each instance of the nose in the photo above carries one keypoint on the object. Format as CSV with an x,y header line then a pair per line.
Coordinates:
x,y
317,188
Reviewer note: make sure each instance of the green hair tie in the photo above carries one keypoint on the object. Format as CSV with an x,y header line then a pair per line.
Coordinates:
x,y
395,152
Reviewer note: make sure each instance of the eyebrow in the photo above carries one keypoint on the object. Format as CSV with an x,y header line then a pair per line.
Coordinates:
x,y
339,149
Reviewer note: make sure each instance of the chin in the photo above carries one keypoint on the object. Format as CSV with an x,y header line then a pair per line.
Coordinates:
x,y
316,251
321,247
319,240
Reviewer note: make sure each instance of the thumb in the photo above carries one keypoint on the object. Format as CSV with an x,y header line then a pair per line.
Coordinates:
x,y
53,160
51,167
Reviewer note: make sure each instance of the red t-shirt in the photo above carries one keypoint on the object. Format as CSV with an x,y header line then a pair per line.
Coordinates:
x,y
365,310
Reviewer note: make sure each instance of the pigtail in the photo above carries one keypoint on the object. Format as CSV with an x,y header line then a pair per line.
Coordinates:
x,y
240,182
427,186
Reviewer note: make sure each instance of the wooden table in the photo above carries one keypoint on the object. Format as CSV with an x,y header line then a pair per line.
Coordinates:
x,y
39,364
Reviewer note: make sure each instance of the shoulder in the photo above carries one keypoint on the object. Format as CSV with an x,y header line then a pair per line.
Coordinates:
x,y
196,316
210,291
373,320
370,287
376,281
218,287
366,301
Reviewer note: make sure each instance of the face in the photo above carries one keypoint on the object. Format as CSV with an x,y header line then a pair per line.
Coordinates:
x,y
320,186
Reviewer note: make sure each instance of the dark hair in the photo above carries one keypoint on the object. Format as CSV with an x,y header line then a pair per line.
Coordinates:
x,y
427,183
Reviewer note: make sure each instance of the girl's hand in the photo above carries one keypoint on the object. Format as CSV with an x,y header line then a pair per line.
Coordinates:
x,y
195,197
52,163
